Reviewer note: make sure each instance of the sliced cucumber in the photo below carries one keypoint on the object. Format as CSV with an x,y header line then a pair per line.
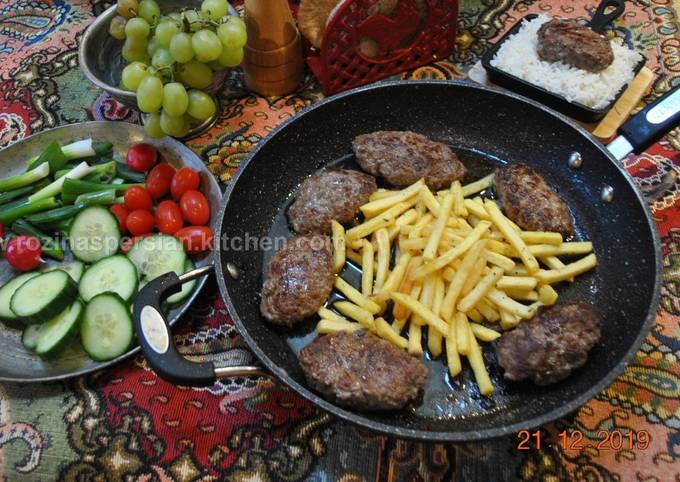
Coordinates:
x,y
43,297
73,268
158,254
115,274
94,234
106,331
30,335
8,290
187,288
59,331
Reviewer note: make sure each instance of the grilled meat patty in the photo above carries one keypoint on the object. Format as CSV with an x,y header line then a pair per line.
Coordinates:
x,y
565,40
299,279
549,347
530,202
404,157
327,195
360,370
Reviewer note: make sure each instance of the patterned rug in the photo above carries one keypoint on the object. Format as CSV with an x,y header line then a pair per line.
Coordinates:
x,y
127,424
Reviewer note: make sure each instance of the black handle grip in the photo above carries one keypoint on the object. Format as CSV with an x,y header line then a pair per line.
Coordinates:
x,y
155,338
653,122
600,20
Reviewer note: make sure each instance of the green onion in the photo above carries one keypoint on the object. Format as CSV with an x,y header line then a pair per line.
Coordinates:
x,y
8,196
50,246
48,218
102,172
128,174
78,172
52,155
21,180
12,211
104,198
103,148
73,188
75,150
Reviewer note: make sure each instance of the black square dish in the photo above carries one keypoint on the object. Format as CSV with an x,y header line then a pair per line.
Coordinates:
x,y
575,110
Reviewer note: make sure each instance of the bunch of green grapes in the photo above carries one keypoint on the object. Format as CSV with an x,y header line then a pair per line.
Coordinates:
x,y
172,57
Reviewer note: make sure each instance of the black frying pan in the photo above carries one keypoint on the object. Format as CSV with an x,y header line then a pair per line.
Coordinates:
x,y
486,127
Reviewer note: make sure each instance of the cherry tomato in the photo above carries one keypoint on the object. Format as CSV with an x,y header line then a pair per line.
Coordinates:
x,y
141,157
195,208
23,253
159,179
136,197
2,231
121,213
195,239
139,222
184,180
169,217
130,242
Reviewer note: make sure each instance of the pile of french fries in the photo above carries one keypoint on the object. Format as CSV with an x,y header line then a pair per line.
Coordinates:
x,y
459,267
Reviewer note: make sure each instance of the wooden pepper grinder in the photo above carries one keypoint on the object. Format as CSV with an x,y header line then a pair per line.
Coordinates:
x,y
273,60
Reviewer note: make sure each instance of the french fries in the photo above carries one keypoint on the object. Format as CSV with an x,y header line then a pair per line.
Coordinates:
x,y
477,363
569,271
480,290
415,306
393,279
442,216
483,333
385,331
517,283
356,297
367,268
382,264
429,200
547,295
456,285
452,264
453,253
540,237
339,247
327,327
452,356
508,229
376,207
434,338
478,185
462,338
415,344
459,208
325,313
540,250
357,313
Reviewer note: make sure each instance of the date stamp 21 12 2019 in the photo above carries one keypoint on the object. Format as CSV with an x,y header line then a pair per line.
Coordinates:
x,y
575,440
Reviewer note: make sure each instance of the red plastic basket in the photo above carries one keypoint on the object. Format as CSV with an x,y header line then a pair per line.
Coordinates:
x,y
414,33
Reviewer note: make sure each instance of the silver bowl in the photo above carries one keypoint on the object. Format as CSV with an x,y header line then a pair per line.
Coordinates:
x,y
19,365
101,60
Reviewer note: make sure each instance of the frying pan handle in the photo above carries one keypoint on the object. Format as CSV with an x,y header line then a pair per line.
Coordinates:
x,y
155,338
649,125
600,20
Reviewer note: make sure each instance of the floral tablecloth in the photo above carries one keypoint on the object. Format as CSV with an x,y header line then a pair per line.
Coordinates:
x,y
127,424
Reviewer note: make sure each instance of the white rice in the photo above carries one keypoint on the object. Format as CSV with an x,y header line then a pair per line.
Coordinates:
x,y
517,56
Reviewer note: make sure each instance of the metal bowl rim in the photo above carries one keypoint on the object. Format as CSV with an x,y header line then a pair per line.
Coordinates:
x,y
106,16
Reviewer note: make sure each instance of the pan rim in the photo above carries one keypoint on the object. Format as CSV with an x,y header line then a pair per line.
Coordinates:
x,y
357,418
